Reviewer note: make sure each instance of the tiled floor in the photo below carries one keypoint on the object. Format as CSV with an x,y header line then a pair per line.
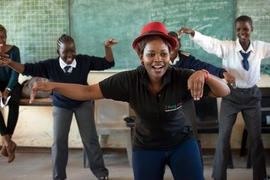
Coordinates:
x,y
37,166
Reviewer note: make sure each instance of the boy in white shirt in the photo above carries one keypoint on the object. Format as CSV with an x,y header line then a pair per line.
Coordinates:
x,y
242,59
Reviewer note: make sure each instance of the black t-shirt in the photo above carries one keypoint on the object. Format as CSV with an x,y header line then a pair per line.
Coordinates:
x,y
160,122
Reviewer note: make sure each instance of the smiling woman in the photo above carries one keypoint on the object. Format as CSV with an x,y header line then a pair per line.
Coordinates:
x,y
155,59
162,134
9,87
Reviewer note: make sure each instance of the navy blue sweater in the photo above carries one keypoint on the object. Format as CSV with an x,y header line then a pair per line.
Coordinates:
x,y
190,62
51,70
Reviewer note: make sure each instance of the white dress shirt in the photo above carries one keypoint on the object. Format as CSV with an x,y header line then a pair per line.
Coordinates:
x,y
232,59
175,60
63,65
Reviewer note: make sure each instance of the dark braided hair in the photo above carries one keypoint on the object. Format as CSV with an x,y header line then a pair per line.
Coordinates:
x,y
64,38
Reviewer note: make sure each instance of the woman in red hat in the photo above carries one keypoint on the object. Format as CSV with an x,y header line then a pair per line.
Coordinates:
x,y
155,91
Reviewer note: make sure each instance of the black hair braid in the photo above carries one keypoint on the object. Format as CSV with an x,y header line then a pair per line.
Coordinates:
x,y
64,38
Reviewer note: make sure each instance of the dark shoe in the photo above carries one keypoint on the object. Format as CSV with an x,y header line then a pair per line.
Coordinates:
x,y
103,178
3,151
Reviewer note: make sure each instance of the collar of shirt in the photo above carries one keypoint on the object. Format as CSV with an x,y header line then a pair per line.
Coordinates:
x,y
165,79
175,60
238,47
63,64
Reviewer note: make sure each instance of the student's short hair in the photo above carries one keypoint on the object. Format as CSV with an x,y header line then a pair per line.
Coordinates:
x,y
64,38
175,35
244,18
3,29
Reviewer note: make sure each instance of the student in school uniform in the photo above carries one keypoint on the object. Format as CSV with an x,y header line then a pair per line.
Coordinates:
x,y
71,68
9,86
183,59
155,91
242,59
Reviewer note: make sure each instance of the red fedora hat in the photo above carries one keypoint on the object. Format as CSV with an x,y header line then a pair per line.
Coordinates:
x,y
155,28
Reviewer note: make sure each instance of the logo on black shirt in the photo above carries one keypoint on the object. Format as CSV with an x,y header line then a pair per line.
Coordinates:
x,y
175,107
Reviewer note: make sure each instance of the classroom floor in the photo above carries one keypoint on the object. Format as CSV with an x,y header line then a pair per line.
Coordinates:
x,y
37,166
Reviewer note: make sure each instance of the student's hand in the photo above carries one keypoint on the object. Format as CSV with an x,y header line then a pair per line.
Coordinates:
x,y
110,42
4,59
5,95
187,31
230,79
39,86
196,83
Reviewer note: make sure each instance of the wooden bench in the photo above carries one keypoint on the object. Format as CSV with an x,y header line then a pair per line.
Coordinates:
x,y
36,102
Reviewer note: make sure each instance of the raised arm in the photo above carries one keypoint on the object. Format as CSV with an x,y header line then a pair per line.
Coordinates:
x,y
73,91
213,46
108,50
187,31
5,61
209,44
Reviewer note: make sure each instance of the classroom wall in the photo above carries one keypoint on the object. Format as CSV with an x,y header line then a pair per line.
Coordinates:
x,y
34,27
34,128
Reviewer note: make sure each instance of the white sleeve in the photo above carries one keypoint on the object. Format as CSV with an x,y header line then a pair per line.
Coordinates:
x,y
209,44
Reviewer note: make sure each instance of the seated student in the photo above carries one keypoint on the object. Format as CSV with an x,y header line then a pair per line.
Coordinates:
x,y
9,86
155,91
242,59
183,59
71,68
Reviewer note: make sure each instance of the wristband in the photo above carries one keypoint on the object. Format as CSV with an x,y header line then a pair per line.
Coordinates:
x,y
206,75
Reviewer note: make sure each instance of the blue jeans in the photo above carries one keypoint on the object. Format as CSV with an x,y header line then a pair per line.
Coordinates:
x,y
183,160
190,114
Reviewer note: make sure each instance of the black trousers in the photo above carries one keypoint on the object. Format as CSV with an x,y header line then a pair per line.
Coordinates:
x,y
248,102
13,111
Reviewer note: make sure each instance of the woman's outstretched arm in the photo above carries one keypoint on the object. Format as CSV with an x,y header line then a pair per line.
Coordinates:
x,y
73,91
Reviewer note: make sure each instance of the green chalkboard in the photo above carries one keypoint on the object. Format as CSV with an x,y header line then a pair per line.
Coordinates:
x,y
92,22
210,17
